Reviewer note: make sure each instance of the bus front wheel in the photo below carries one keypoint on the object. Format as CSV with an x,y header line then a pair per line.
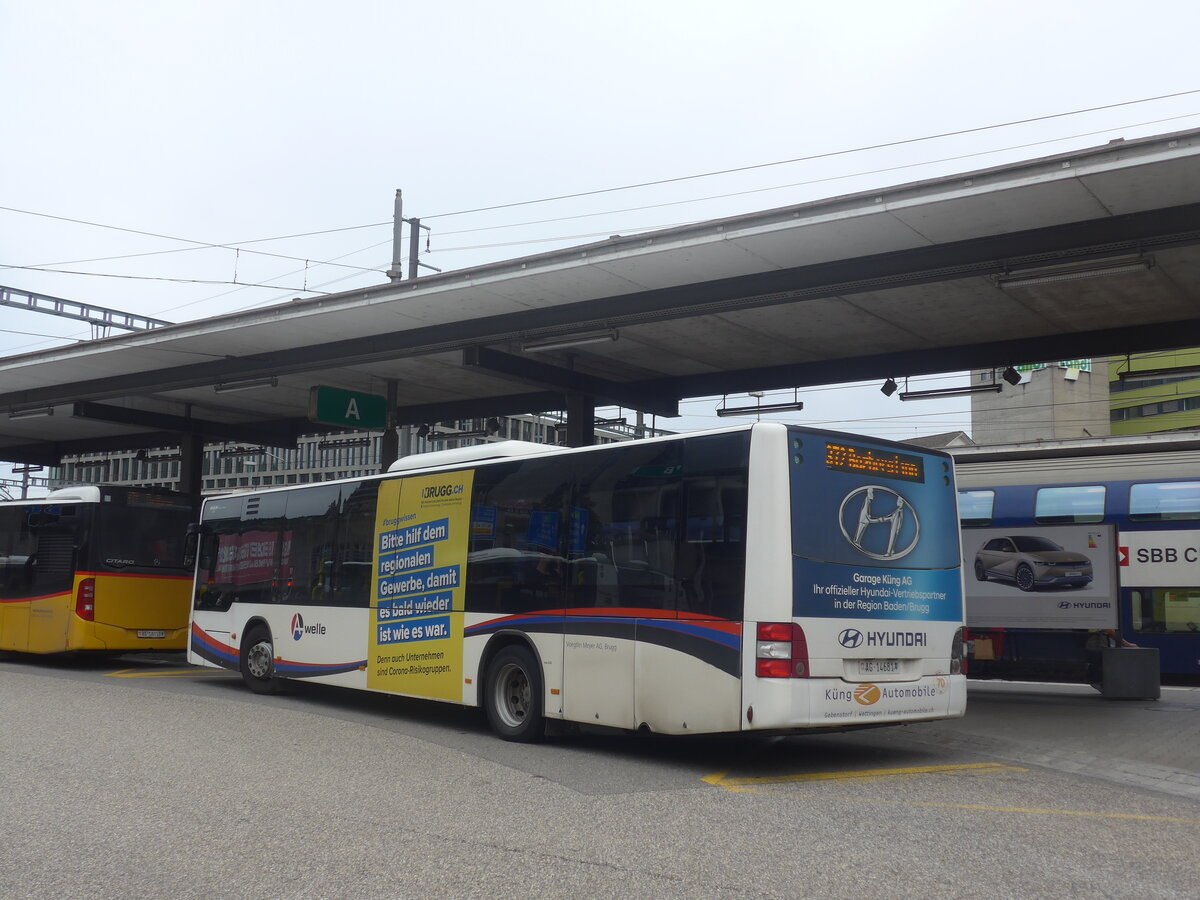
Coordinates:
x,y
513,695
258,662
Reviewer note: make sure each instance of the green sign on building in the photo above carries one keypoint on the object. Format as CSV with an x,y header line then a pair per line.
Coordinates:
x,y
333,406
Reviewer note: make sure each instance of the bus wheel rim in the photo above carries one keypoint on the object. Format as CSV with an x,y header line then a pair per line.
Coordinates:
x,y
258,660
513,695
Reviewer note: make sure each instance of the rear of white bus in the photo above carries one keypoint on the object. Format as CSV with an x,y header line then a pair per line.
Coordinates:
x,y
864,625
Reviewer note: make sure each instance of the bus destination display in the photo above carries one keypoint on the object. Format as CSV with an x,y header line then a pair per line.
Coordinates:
x,y
874,461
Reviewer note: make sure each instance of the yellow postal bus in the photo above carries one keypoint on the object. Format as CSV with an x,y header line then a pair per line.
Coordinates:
x,y
96,568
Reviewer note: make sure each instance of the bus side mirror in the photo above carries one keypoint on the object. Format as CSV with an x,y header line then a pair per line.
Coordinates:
x,y
197,543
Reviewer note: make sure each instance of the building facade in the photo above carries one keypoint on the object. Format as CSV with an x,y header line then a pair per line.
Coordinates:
x,y
1052,402
236,466
1154,392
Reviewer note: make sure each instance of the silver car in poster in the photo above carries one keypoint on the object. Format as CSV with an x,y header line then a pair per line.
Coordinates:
x,y
1031,562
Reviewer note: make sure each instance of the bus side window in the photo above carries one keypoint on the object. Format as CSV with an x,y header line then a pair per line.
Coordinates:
x,y
627,501
245,565
353,556
713,553
306,563
17,547
520,523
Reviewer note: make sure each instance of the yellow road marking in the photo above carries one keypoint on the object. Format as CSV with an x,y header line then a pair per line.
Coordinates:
x,y
168,673
749,785
720,778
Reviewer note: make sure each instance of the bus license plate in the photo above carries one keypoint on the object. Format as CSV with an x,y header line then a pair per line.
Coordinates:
x,y
152,634
878,666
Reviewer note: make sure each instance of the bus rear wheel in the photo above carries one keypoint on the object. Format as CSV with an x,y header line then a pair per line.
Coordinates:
x,y
512,696
258,662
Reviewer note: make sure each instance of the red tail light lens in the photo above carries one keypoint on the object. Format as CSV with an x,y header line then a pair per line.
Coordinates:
x,y
958,664
85,600
782,651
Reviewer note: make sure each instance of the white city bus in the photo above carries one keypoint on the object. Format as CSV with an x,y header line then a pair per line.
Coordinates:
x,y
761,578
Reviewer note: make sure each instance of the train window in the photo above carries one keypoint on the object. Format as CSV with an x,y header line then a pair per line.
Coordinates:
x,y
1166,610
975,508
1078,503
1164,501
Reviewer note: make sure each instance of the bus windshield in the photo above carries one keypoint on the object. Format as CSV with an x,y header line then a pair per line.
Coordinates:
x,y
142,529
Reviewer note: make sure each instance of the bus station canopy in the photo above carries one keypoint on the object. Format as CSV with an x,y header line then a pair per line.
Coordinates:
x,y
1094,252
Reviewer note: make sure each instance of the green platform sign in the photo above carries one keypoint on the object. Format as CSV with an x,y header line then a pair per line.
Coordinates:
x,y
332,406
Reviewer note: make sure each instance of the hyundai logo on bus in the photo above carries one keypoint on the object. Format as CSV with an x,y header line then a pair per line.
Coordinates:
x,y
852,637
869,506
299,629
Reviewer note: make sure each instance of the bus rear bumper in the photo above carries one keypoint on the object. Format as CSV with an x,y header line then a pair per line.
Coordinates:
x,y
800,703
111,638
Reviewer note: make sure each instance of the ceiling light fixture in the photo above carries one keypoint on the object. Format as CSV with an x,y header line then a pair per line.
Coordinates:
x,y
889,387
228,387
1155,374
571,340
453,435
30,412
725,411
950,392
1074,272
1011,375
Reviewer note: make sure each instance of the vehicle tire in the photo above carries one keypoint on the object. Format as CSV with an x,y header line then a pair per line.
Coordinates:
x,y
1025,578
980,572
258,662
512,695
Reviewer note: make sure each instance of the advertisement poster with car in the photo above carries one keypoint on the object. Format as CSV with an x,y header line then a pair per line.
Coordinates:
x,y
1048,576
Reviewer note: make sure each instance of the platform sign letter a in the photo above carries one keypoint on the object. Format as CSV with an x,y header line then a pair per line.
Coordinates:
x,y
347,409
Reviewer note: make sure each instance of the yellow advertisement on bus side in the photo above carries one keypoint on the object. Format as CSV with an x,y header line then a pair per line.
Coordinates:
x,y
421,531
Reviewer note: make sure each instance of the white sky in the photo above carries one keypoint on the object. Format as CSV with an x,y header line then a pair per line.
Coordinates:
x,y
225,122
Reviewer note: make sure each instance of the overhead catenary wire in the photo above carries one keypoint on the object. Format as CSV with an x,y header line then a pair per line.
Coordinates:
x,y
362,271
815,156
846,151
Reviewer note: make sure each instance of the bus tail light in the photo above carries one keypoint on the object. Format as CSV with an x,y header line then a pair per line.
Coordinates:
x,y
956,654
782,651
85,600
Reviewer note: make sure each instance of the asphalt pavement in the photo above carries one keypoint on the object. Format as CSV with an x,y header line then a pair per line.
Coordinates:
x,y
1153,744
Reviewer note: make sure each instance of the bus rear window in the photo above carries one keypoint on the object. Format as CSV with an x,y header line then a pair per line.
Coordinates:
x,y
975,507
1078,503
1164,501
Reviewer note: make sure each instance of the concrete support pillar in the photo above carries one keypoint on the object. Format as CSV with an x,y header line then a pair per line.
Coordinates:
x,y
389,447
191,464
581,416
